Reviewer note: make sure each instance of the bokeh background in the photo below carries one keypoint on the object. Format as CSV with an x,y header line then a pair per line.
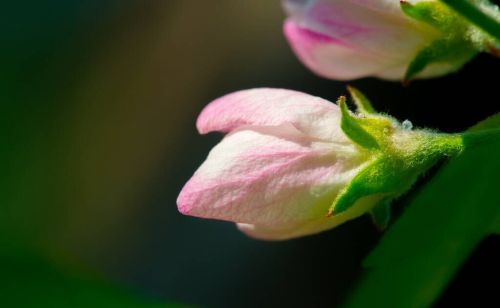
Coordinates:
x,y
98,101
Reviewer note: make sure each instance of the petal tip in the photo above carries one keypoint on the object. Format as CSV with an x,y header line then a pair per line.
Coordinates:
x,y
183,205
186,200
219,114
203,123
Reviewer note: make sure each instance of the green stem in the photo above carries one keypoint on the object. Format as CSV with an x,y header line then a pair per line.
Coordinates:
x,y
475,15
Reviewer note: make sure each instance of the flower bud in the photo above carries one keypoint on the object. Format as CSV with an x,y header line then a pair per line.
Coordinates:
x,y
390,39
292,164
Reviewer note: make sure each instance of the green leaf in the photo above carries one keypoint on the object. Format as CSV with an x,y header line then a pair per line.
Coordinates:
x,y
438,230
496,226
492,122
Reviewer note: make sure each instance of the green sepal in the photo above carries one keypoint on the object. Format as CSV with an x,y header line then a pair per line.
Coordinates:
x,y
363,104
395,156
453,47
366,182
368,130
381,214
431,12
351,126
383,179
482,13
440,51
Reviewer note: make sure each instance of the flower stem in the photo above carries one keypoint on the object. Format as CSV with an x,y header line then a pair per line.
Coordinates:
x,y
474,14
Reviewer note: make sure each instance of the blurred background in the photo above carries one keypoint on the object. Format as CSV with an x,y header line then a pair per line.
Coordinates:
x,y
98,101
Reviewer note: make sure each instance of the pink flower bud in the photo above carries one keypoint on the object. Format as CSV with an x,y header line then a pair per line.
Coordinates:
x,y
279,168
348,39
293,164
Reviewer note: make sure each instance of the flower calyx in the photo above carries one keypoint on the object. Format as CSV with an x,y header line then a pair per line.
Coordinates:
x,y
396,156
459,41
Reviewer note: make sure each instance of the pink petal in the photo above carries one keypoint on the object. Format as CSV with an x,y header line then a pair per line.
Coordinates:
x,y
353,39
373,26
311,115
267,176
330,58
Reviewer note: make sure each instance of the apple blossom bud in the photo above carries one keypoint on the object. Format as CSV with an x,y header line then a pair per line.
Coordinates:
x,y
390,39
292,164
